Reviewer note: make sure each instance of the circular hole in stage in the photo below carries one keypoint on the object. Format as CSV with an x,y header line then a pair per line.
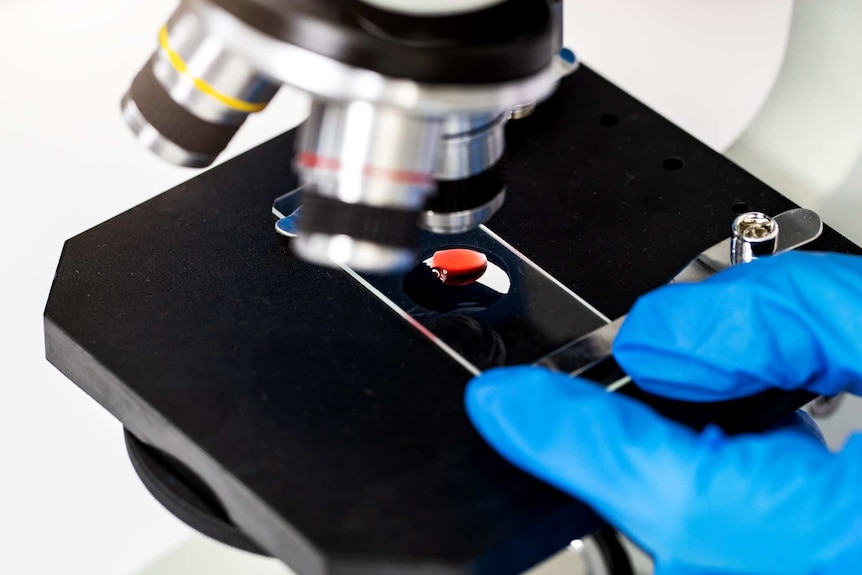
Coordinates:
x,y
457,279
673,164
740,207
609,120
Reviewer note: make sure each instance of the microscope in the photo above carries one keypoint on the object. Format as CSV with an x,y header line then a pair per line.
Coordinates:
x,y
463,195
410,100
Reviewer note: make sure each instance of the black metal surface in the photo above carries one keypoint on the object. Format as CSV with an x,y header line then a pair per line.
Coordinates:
x,y
331,432
508,41
184,494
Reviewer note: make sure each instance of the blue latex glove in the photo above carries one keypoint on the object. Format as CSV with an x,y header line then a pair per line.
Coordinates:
x,y
777,503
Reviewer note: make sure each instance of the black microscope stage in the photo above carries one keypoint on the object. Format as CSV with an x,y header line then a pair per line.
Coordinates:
x,y
330,430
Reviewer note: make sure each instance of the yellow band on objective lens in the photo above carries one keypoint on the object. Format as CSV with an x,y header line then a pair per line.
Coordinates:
x,y
203,86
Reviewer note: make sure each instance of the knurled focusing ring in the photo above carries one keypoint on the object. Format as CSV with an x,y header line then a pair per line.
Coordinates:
x,y
175,123
385,226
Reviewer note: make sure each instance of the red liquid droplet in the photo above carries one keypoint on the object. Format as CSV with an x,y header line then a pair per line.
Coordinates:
x,y
459,267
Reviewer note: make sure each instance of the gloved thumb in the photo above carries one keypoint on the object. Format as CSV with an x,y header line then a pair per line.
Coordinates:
x,y
772,504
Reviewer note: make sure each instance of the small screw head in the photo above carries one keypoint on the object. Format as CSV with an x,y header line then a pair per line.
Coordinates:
x,y
754,235
566,62
755,227
567,55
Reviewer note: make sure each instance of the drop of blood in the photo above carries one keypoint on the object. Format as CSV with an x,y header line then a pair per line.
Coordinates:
x,y
459,266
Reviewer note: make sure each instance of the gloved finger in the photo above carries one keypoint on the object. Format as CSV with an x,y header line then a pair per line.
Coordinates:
x,y
676,569
773,504
790,321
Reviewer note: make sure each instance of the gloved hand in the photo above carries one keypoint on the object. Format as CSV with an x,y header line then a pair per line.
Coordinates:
x,y
777,503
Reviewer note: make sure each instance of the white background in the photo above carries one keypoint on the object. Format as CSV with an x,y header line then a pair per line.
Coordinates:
x,y
69,499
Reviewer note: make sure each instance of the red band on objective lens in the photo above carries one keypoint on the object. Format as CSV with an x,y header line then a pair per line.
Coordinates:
x,y
314,161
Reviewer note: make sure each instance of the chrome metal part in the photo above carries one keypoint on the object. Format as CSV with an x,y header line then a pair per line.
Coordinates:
x,y
754,235
709,262
470,144
361,153
326,78
461,221
566,62
371,139
204,77
522,111
559,24
157,143
432,7
580,557
360,255
191,97
798,226
824,407
802,226
592,558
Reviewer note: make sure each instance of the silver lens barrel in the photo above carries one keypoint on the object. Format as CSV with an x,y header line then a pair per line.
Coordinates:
x,y
470,144
192,96
471,173
369,170
364,159
358,152
378,143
